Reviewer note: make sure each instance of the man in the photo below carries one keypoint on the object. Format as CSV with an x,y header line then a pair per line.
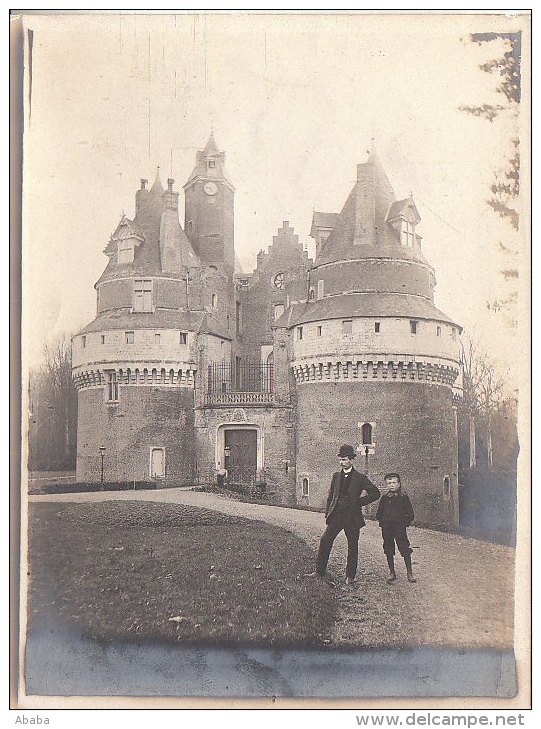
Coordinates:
x,y
350,490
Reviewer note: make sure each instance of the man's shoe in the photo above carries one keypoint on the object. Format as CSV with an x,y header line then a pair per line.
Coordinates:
x,y
350,580
411,578
391,578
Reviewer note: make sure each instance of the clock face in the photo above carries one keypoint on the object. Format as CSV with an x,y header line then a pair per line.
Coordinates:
x,y
210,188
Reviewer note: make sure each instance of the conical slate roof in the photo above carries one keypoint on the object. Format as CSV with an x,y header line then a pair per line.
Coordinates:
x,y
363,229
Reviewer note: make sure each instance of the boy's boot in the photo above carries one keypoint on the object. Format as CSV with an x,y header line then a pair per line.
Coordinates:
x,y
407,560
392,573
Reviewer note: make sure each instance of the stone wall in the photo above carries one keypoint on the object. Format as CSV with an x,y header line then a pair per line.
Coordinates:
x,y
275,443
394,338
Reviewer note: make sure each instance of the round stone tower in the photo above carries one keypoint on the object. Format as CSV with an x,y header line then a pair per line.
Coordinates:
x,y
158,309
373,359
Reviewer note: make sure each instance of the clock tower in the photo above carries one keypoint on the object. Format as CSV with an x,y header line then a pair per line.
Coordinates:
x,y
209,203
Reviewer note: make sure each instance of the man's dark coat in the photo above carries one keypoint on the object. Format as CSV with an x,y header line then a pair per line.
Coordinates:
x,y
358,483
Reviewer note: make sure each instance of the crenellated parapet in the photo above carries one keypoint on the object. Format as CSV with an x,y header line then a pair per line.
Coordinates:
x,y
398,369
145,374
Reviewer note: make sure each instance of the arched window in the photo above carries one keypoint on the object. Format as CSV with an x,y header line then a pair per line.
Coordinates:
x,y
366,434
446,487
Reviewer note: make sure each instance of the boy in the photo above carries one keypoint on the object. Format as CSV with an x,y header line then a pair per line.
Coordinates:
x,y
395,514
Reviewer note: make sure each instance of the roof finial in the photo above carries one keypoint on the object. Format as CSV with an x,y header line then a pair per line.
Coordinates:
x,y
157,186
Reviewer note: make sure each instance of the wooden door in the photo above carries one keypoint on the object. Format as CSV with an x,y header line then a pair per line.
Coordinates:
x,y
241,455
157,469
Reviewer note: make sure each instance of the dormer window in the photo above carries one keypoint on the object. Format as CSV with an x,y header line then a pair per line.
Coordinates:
x,y
212,164
125,252
407,234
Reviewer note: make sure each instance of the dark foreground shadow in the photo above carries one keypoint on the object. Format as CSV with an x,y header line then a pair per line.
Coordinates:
x,y
62,663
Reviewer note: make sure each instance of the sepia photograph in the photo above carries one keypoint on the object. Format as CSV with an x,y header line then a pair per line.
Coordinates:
x,y
275,346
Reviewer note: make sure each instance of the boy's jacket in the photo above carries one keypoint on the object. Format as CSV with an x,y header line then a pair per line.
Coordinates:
x,y
395,508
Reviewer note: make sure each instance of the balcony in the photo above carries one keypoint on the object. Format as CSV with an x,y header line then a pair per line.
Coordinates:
x,y
241,383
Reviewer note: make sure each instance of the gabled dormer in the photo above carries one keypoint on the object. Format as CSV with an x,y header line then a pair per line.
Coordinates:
x,y
404,217
124,241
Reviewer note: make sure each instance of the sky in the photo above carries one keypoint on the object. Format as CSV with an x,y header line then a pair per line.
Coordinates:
x,y
295,101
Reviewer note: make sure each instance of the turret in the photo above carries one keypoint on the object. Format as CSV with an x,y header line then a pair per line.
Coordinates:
x,y
209,208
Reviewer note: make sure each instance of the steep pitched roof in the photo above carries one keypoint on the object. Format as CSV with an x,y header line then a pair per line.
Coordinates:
x,y
400,208
322,220
202,169
210,147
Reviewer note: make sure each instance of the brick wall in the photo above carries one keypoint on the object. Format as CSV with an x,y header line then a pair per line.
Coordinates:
x,y
115,294
381,275
169,293
145,417
414,434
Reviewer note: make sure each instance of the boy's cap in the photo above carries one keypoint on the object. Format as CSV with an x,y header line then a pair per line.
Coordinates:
x,y
347,451
392,475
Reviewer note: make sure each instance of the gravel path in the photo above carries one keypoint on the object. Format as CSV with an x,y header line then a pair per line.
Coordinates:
x,y
463,596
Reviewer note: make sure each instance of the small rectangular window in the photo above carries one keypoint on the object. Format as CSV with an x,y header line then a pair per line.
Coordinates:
x,y
438,331
125,253
347,326
142,295
112,386
305,486
103,338
299,333
129,337
157,338
214,301
83,340
414,326
377,327
237,317
212,163
278,311
453,333
320,288
182,337
319,330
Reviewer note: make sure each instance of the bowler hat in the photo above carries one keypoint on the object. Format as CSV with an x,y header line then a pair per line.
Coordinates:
x,y
346,451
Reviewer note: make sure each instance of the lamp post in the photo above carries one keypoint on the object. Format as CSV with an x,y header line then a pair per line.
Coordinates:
x,y
366,452
102,454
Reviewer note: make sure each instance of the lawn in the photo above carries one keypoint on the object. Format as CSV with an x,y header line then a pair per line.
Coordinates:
x,y
154,571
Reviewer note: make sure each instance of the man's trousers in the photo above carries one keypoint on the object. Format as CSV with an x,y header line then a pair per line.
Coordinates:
x,y
337,521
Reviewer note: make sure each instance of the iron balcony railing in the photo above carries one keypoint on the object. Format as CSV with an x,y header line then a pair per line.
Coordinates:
x,y
239,383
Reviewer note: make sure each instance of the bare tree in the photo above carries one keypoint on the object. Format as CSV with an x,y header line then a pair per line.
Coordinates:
x,y
505,187
471,390
53,409
490,399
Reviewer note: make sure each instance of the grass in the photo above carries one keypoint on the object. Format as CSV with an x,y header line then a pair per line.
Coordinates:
x,y
145,570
